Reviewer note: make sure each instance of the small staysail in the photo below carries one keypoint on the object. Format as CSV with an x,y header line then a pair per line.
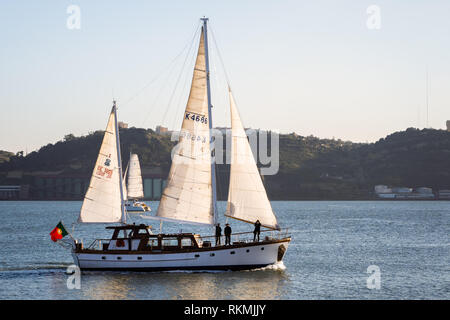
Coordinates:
x,y
102,202
188,195
135,188
247,197
124,187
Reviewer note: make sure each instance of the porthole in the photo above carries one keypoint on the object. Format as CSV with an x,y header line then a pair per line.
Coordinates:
x,y
119,258
262,248
232,252
139,258
212,254
197,255
248,250
103,258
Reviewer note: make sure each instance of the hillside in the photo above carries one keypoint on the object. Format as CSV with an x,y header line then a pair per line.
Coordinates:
x,y
5,155
310,168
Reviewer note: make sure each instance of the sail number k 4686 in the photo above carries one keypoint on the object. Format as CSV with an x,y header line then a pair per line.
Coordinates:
x,y
196,117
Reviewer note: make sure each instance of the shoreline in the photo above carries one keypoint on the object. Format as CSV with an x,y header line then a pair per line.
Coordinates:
x,y
277,200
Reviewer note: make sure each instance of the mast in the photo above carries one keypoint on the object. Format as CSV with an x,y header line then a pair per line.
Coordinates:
x,y
122,207
208,90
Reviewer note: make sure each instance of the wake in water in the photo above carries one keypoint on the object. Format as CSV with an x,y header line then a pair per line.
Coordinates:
x,y
279,266
36,266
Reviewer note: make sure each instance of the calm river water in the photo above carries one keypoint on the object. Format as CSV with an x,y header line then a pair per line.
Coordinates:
x,y
333,244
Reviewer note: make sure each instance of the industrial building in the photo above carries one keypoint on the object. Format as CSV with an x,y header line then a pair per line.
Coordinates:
x,y
404,193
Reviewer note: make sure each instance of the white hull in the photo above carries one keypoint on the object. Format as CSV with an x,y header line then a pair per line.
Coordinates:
x,y
215,258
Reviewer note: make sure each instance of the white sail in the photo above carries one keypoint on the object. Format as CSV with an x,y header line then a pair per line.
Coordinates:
x,y
124,187
247,197
135,188
188,195
102,202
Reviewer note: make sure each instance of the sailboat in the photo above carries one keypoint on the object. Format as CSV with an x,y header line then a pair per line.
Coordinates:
x,y
135,189
189,197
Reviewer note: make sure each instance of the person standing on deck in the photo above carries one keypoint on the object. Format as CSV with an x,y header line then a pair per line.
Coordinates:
x,y
227,232
218,234
257,230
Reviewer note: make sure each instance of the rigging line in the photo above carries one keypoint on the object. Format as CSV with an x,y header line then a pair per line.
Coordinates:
x,y
150,109
222,174
220,56
161,72
185,85
215,85
226,109
178,79
218,85
154,79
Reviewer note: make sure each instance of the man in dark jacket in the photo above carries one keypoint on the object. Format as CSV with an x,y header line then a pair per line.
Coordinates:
x,y
218,234
257,230
227,232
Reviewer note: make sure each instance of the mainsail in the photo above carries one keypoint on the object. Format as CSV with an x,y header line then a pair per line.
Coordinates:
x,y
188,195
103,200
135,188
247,198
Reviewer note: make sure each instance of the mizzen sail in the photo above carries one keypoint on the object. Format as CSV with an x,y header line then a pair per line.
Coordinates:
x,y
247,197
103,201
188,195
135,188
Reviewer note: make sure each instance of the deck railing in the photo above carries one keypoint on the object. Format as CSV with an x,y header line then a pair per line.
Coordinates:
x,y
98,243
247,237
239,237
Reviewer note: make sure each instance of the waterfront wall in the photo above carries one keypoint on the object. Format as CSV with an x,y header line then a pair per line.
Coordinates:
x,y
67,188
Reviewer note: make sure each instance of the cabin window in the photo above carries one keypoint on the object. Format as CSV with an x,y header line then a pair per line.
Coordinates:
x,y
197,255
262,248
103,258
153,242
119,258
232,252
139,258
186,242
212,254
169,242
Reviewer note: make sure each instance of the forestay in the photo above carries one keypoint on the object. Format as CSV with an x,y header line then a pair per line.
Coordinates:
x,y
188,195
102,202
247,197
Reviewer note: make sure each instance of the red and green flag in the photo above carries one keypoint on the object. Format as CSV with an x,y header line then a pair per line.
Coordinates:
x,y
59,232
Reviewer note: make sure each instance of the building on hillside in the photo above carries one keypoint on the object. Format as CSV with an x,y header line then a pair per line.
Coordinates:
x,y
122,125
162,130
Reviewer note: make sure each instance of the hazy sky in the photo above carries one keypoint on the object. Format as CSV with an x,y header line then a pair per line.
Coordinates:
x,y
313,67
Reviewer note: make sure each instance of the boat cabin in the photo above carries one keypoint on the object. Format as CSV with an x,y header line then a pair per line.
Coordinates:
x,y
140,238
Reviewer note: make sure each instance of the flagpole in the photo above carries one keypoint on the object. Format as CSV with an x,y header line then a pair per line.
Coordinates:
x,y
68,232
